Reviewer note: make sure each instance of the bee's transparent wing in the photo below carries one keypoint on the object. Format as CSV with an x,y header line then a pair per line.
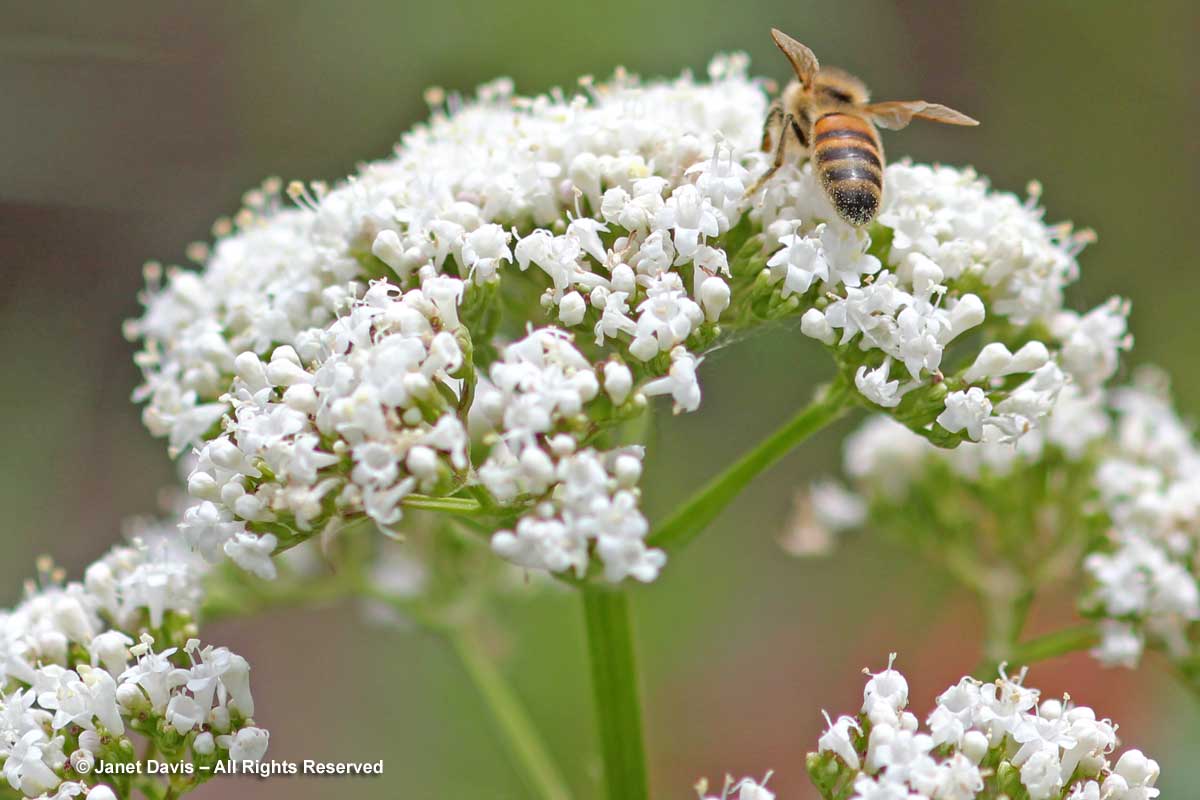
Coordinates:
x,y
897,114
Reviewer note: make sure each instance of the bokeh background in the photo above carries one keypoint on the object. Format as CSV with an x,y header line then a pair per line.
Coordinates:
x,y
126,128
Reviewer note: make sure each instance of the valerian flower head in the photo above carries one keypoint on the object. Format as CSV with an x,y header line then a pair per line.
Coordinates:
x,y
1105,488
1146,576
982,740
475,317
85,666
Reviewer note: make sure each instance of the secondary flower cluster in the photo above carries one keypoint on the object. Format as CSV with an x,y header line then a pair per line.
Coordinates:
x,y
982,740
957,256
542,266
884,459
538,410
1146,574
1109,480
86,666
363,414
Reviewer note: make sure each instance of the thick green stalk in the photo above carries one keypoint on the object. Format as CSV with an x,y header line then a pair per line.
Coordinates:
x,y
695,515
1006,600
1055,644
615,688
1051,645
526,746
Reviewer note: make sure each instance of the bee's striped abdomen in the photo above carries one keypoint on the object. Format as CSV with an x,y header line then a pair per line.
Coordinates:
x,y
850,163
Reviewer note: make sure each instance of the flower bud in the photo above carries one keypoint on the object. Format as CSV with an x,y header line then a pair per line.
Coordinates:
x,y
388,249
714,297
975,746
1138,770
618,381
204,744
572,308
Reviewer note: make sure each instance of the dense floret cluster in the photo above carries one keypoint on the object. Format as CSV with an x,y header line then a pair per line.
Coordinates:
x,y
982,740
1145,578
89,668
1106,488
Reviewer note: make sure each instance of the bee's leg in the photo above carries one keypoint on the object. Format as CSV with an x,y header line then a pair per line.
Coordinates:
x,y
803,140
790,126
774,117
799,132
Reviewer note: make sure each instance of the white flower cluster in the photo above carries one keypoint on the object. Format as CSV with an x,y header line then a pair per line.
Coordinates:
x,y
358,417
1133,460
535,409
444,202
890,467
960,254
1147,581
74,684
262,285
884,457
983,740
325,358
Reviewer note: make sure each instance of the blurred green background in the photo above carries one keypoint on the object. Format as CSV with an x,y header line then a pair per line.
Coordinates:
x,y
126,128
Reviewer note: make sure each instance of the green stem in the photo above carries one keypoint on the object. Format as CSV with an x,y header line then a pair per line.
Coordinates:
x,y
1188,673
1051,645
1006,601
451,505
152,789
615,688
695,515
520,735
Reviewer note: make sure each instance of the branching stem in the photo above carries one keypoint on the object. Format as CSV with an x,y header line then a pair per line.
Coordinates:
x,y
697,513
524,743
1042,648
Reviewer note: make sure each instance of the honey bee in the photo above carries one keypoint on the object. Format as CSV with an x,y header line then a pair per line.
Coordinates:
x,y
824,115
